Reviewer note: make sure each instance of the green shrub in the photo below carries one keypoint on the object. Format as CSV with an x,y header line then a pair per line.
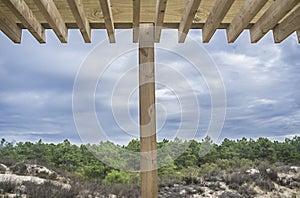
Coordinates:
x,y
168,172
190,175
209,169
120,177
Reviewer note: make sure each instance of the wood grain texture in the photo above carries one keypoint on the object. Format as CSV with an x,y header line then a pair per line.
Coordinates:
x,y
159,18
148,147
270,18
108,19
243,18
136,19
88,15
214,19
123,11
287,26
10,29
25,15
77,9
53,17
186,21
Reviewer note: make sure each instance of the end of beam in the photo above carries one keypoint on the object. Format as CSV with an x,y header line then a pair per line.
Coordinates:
x,y
52,15
136,20
287,26
26,16
10,28
189,13
77,9
159,18
214,19
108,19
270,18
243,18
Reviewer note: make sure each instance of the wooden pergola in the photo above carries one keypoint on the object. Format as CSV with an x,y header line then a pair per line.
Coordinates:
x,y
148,18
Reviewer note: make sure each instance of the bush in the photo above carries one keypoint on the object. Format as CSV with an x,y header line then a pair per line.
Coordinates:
x,y
246,191
244,164
48,189
121,190
209,169
7,186
224,164
120,177
168,172
190,175
265,184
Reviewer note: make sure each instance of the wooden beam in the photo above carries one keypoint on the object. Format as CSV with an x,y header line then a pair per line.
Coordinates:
x,y
25,15
270,18
136,20
108,19
10,28
287,26
159,18
298,35
148,147
243,18
214,19
52,15
77,9
188,16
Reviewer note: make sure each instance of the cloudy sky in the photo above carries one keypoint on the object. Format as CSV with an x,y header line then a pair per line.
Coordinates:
x,y
36,86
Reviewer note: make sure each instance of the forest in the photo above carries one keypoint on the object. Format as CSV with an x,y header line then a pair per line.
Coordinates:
x,y
79,162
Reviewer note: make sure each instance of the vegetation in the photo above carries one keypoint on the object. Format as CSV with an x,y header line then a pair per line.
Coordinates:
x,y
80,162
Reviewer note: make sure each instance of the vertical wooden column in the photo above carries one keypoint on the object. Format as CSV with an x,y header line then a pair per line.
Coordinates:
x,y
148,155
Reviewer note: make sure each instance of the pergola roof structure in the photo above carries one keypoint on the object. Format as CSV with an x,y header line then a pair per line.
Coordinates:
x,y
259,16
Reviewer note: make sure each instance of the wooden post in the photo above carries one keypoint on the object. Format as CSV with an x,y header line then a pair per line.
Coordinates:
x,y
148,153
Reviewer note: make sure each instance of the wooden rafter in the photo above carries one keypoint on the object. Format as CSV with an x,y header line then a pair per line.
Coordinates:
x,y
287,26
136,20
52,15
214,19
159,18
298,35
270,18
188,16
25,15
243,18
77,9
108,19
259,16
10,28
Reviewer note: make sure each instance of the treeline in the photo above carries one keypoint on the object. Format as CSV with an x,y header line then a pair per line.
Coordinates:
x,y
203,156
